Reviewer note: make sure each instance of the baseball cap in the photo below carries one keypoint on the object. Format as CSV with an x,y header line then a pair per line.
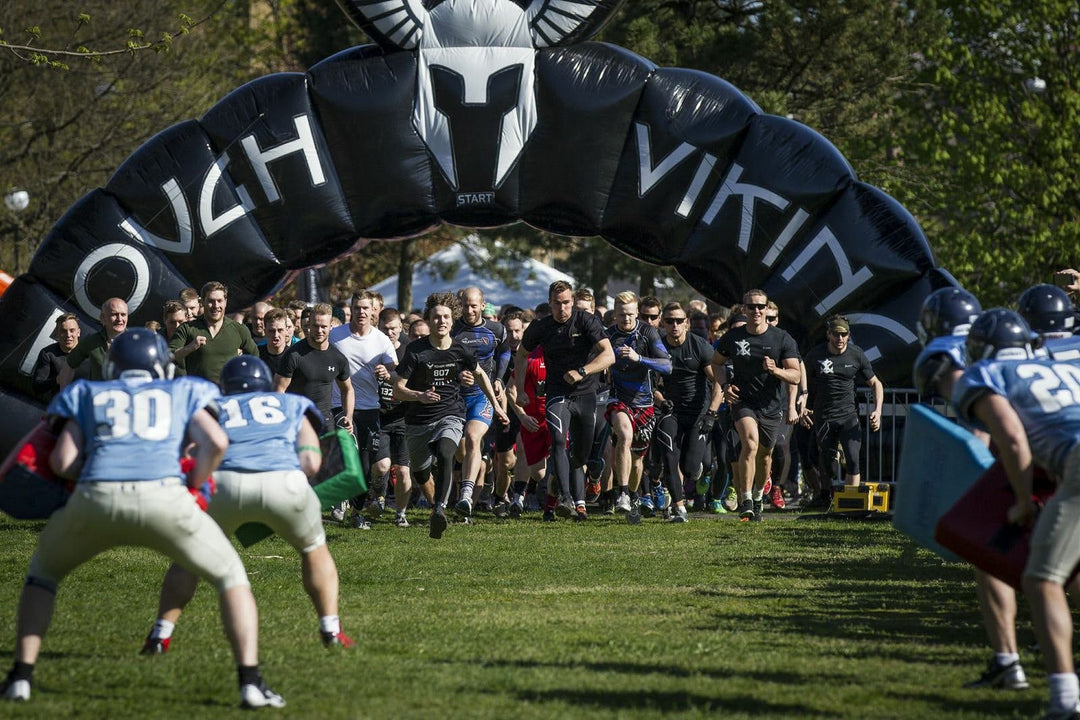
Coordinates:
x,y
839,324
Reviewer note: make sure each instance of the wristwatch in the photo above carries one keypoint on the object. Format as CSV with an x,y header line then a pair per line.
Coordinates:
x,y
583,372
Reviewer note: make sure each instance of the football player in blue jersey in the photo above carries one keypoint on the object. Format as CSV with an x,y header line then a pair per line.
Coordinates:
x,y
273,449
943,324
1031,408
122,439
1048,311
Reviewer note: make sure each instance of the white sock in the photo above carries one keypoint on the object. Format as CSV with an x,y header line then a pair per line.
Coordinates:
x,y
757,495
1004,659
163,629
746,496
330,624
467,490
519,498
1064,690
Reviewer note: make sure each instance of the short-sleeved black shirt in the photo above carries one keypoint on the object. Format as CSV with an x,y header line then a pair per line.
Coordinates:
x,y
272,361
391,410
688,387
831,380
758,389
313,373
567,346
426,367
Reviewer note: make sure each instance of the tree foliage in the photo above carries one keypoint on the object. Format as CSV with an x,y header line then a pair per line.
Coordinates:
x,y
995,125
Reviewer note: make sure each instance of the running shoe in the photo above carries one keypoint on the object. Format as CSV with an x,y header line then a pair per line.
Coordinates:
x,y
259,696
580,515
701,487
679,514
767,487
730,500
359,522
776,497
549,516
338,639
565,508
622,503
337,513
1062,713
634,516
155,646
646,506
516,509
401,521
592,491
662,499
746,510
15,690
1006,677
502,509
716,507
375,507
759,505
438,523
463,507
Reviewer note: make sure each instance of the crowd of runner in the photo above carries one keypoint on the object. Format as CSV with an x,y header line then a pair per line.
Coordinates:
x,y
564,408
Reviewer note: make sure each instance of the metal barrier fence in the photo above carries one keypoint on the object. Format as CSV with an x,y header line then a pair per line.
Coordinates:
x,y
881,450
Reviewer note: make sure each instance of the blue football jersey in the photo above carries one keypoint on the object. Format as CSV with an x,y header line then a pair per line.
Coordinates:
x,y
133,429
1067,348
950,345
262,429
1045,394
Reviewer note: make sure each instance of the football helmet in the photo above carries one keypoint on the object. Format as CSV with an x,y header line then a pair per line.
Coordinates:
x,y
1047,310
999,334
246,373
946,311
139,352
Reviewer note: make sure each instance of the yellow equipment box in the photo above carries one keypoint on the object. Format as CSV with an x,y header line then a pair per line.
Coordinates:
x,y
872,496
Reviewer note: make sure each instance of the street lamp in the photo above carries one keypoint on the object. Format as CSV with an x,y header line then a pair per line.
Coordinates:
x,y
16,201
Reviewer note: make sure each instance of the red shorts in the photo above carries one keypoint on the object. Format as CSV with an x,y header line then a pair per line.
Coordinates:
x,y
536,445
642,419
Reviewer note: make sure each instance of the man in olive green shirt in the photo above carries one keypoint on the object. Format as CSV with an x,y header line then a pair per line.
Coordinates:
x,y
203,345
95,349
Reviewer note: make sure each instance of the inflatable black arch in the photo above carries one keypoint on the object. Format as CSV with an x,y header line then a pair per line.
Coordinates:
x,y
480,114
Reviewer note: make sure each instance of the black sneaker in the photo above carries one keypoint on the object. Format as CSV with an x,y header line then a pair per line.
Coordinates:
x,y
549,516
155,646
758,506
1006,677
634,516
746,510
438,523
580,515
565,508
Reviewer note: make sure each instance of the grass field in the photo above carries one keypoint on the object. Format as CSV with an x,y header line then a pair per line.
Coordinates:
x,y
796,617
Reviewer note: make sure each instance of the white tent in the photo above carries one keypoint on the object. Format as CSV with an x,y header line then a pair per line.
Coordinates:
x,y
532,276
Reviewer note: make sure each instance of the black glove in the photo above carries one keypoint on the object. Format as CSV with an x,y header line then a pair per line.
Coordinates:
x,y
707,423
666,408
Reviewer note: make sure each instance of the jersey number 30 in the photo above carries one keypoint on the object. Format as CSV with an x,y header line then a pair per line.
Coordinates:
x,y
146,415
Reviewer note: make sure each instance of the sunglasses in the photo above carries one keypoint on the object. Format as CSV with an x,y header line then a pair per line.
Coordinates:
x,y
674,321
650,317
841,333
755,306
771,318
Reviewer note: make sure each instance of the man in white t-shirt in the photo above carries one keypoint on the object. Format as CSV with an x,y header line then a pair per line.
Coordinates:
x,y
371,358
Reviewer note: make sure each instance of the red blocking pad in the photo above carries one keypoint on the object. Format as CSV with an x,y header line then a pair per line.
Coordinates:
x,y
975,527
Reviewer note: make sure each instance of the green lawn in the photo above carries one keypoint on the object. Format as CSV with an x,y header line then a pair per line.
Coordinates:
x,y
796,617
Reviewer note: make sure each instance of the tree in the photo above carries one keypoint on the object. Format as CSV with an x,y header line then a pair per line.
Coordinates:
x,y
994,143
65,131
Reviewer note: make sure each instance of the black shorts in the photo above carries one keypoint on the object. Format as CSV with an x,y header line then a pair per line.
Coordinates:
x,y
768,426
506,435
392,443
